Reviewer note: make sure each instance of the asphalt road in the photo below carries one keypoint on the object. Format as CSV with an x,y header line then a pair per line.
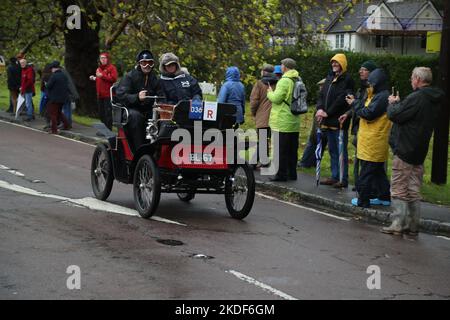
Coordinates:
x,y
279,251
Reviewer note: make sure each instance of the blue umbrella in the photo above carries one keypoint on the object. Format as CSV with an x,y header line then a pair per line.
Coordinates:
x,y
341,154
318,154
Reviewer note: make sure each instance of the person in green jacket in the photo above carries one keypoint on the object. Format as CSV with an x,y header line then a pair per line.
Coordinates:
x,y
284,123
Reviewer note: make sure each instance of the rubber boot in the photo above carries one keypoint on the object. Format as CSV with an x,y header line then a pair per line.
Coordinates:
x,y
413,220
399,215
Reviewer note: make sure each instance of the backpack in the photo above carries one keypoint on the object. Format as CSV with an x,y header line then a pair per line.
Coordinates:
x,y
299,94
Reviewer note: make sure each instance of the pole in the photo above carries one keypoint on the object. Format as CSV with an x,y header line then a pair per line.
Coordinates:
x,y
440,144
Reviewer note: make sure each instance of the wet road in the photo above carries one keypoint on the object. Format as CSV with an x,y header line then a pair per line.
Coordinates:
x,y
279,251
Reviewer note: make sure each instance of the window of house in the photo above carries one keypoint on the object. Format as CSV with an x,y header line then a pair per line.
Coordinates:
x,y
339,41
381,41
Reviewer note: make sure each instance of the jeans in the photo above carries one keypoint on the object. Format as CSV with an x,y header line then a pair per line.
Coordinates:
x,y
29,104
333,148
43,102
67,110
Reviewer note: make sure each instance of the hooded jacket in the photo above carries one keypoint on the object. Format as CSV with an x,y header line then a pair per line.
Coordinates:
x,y
58,88
374,125
414,120
179,85
281,117
233,91
135,81
260,105
108,78
27,80
332,96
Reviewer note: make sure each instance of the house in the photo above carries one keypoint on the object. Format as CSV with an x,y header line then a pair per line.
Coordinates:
x,y
372,26
389,26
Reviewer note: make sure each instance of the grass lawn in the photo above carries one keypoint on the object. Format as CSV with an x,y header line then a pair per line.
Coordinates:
x,y
439,194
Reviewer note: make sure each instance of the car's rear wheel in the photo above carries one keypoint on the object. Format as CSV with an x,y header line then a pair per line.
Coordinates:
x,y
102,176
146,186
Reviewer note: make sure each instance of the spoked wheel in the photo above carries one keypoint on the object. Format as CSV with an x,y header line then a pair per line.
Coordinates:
x,y
146,186
102,176
186,196
240,191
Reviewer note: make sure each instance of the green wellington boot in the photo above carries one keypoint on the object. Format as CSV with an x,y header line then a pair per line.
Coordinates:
x,y
399,215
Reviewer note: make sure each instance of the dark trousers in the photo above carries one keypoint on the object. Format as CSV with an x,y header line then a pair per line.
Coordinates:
x,y
105,112
54,109
13,94
266,143
372,181
135,128
288,142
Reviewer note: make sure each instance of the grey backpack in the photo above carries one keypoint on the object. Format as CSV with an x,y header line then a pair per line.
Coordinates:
x,y
299,94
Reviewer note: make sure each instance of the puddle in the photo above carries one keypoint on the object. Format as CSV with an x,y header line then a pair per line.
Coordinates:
x,y
170,242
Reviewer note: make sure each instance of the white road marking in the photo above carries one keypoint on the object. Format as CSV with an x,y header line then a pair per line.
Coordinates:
x,y
265,287
303,207
2,167
442,237
16,173
90,203
55,135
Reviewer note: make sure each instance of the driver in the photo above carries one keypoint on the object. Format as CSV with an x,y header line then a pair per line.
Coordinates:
x,y
177,85
132,89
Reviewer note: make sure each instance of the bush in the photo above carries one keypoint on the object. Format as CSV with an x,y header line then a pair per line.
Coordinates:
x,y
314,66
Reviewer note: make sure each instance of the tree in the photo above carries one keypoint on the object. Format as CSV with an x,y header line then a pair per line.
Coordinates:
x,y
440,144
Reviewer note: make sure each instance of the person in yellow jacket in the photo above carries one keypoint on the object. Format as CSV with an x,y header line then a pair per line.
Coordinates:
x,y
331,105
373,142
284,123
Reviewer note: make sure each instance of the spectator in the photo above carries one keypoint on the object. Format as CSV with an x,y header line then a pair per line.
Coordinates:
x,y
277,71
45,77
309,155
233,91
284,123
414,119
373,148
27,87
361,96
176,84
331,105
132,91
58,94
14,74
105,77
260,106
70,105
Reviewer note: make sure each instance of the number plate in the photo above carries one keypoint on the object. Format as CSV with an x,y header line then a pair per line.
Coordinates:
x,y
201,157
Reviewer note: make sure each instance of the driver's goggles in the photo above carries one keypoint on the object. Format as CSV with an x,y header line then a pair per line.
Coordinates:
x,y
146,63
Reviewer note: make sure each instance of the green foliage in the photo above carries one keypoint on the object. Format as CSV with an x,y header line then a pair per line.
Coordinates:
x,y
315,65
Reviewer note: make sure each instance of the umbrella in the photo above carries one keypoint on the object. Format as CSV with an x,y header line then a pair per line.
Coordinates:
x,y
20,103
341,154
318,154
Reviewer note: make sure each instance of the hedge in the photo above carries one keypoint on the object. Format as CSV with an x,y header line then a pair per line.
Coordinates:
x,y
314,66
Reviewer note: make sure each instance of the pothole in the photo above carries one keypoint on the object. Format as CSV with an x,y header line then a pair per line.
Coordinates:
x,y
170,242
